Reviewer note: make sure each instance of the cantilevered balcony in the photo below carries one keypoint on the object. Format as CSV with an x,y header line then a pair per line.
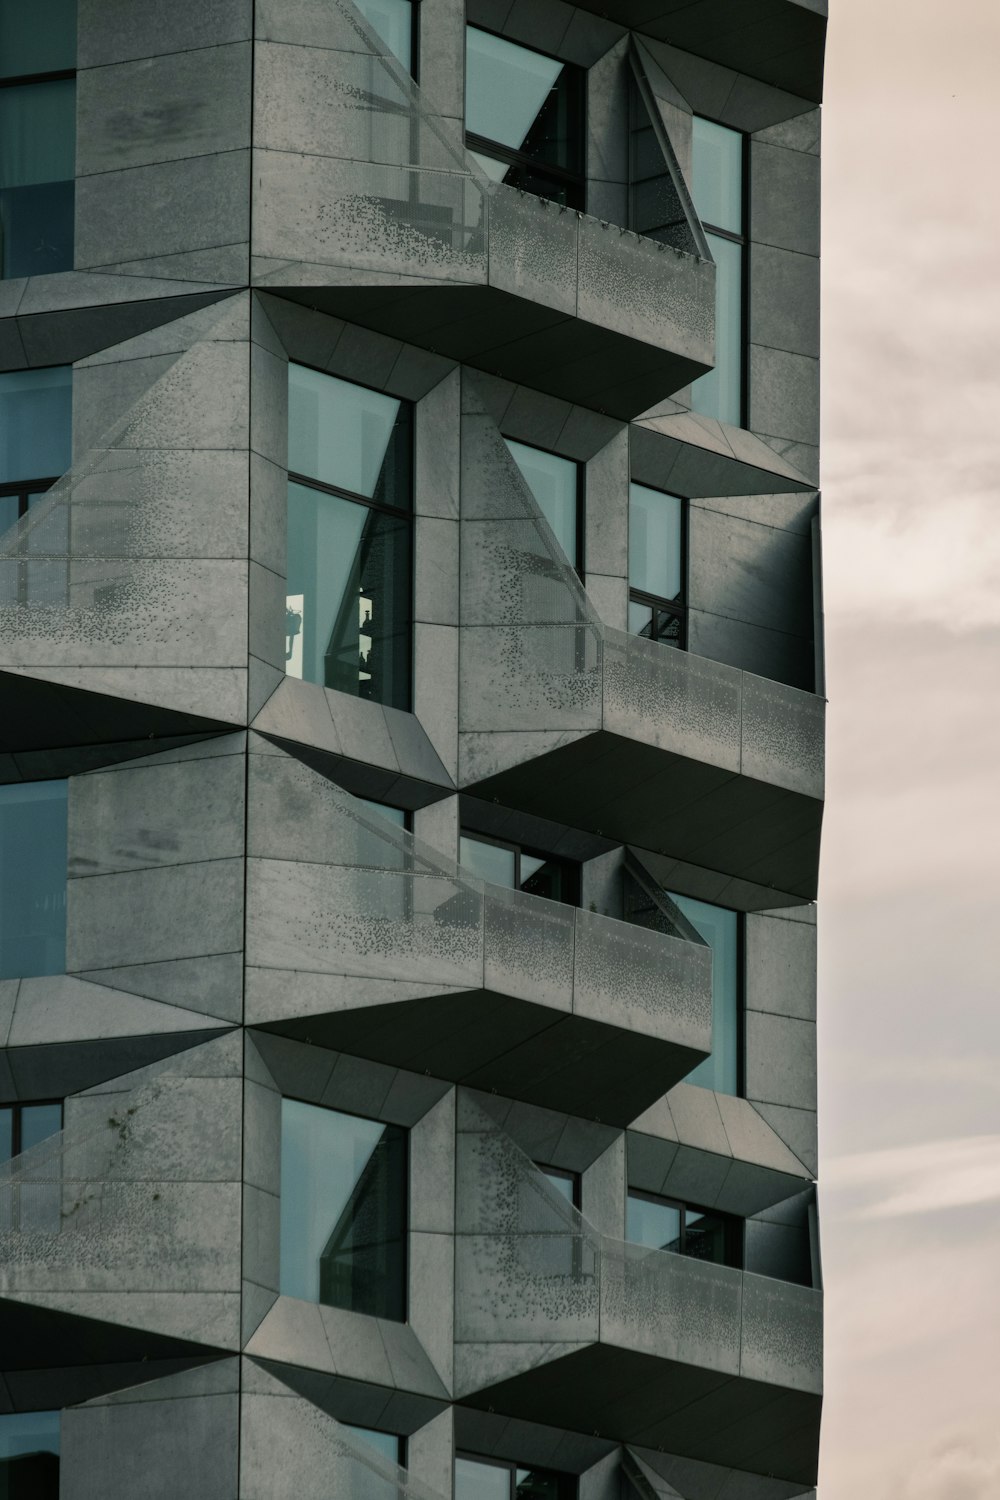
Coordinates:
x,y
362,939
558,1324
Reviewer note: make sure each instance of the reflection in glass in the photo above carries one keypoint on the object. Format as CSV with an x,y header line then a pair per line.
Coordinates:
x,y
28,47
653,1223
565,1183
392,20
36,414
37,170
343,1210
554,482
347,613
529,108
493,862
717,174
32,879
38,1122
481,1481
349,437
705,1236
655,542
387,1444
717,189
720,928
29,1455
516,869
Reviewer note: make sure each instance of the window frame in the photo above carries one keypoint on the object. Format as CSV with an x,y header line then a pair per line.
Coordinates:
x,y
572,866
515,158
734,1227
743,240
566,1484
406,1215
565,1174
340,492
655,602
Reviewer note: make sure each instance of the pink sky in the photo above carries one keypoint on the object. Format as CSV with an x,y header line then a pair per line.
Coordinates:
x,y
910,997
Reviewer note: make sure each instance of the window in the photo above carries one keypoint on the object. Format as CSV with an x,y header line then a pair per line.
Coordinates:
x,y
30,1206
493,1479
387,1444
343,1210
349,600
29,1455
25,1125
657,565
700,1233
395,22
717,174
36,414
32,879
720,928
37,137
557,485
520,869
567,1184
524,117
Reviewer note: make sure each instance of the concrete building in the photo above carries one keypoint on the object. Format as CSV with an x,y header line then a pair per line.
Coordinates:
x,y
412,749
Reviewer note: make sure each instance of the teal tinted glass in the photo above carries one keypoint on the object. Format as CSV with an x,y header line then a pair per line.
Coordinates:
x,y
704,1236
384,1443
657,1225
477,1481
36,415
655,534
563,1183
489,861
343,1210
29,1455
554,482
341,434
37,40
6,1133
505,87
717,175
32,879
719,394
720,928
37,167
38,1122
392,20
347,607
395,815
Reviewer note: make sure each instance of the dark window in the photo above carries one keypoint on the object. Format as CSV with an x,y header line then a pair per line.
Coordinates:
x,y
722,930
683,1229
37,137
36,413
567,1184
349,592
521,869
343,1210
494,1479
657,565
717,178
25,1125
29,1455
32,1206
32,879
524,117
557,485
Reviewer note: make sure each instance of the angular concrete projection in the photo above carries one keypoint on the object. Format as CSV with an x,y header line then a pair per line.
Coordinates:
x,y
363,939
562,716
555,1322
366,198
102,1222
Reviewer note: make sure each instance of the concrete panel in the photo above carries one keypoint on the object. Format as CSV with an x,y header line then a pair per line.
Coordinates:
x,y
785,201
767,653
784,394
749,570
781,967
147,916
157,1449
781,1060
784,299
111,31
606,542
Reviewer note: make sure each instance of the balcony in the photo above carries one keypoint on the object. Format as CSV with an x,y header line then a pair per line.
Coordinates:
x,y
362,939
558,1324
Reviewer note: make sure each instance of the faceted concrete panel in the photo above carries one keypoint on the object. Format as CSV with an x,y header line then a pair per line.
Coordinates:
x,y
781,967
111,31
751,571
784,299
784,205
781,1060
784,394
151,915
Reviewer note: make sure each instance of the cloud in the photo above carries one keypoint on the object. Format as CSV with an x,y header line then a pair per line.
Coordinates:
x,y
919,1179
956,1469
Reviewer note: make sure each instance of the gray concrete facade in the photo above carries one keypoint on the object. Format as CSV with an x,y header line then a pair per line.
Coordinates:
x,y
262,183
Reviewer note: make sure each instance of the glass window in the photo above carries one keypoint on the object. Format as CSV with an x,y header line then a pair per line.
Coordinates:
x,y
519,869
681,1229
348,605
717,190
492,1479
25,1125
524,117
388,1444
656,565
37,172
32,879
343,1210
27,47
29,1455
29,1206
392,20
720,928
555,484
36,424
566,1184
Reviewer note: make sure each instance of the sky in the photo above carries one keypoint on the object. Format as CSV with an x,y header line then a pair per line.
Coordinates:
x,y
909,1032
